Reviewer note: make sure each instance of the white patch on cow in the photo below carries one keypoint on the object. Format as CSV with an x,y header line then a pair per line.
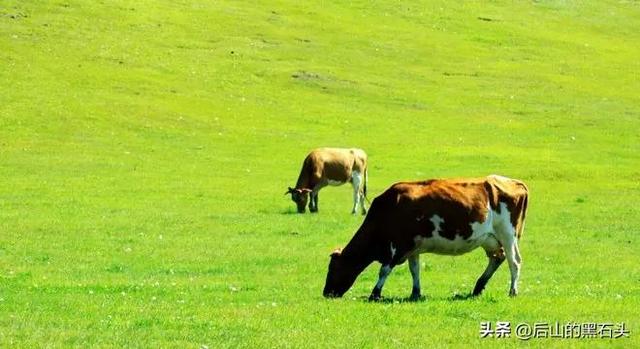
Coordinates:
x,y
334,183
393,250
441,245
479,230
502,223
437,221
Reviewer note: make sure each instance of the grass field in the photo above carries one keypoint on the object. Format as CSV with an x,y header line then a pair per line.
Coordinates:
x,y
145,147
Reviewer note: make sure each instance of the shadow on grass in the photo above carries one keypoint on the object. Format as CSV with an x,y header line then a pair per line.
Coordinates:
x,y
462,297
389,300
454,298
421,299
470,297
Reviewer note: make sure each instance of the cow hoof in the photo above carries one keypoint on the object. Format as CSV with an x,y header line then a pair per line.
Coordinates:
x,y
415,297
513,293
375,298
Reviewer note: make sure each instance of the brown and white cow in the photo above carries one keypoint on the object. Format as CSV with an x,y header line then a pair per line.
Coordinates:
x,y
331,166
443,216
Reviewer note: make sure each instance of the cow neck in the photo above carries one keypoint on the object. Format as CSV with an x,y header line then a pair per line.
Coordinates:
x,y
305,175
359,251
305,184
305,179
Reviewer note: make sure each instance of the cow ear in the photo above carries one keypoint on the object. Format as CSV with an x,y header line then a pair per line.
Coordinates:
x,y
289,191
336,252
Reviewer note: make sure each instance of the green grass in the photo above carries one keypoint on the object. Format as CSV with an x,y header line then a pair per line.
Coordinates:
x,y
145,147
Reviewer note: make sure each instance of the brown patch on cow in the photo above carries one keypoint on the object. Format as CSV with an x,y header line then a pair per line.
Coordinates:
x,y
458,203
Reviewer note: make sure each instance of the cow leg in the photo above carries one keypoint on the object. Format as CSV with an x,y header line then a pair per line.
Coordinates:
x,y
506,235
355,200
385,270
313,196
512,254
495,253
313,201
363,206
495,261
356,181
414,267
515,261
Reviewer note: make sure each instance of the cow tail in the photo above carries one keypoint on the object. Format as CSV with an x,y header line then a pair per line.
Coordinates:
x,y
523,212
364,188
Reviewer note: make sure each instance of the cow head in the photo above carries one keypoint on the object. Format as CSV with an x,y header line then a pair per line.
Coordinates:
x,y
342,274
300,197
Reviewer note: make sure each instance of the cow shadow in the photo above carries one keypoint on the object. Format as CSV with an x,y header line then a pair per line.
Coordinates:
x,y
390,300
462,297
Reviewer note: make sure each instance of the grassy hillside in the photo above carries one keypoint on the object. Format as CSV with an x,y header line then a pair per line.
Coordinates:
x,y
145,147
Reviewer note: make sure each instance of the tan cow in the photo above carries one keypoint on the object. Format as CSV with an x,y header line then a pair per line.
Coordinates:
x,y
331,166
449,216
